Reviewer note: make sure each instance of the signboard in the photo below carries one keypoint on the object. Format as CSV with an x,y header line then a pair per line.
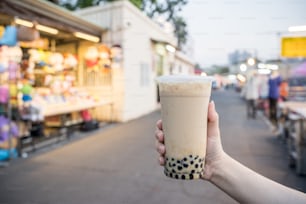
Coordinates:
x,y
293,47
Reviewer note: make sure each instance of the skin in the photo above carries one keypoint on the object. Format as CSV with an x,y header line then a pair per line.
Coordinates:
x,y
241,183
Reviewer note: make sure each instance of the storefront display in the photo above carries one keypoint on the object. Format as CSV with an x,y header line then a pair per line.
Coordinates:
x,y
10,57
38,84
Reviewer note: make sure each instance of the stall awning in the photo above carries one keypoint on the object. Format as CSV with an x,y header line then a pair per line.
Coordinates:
x,y
49,14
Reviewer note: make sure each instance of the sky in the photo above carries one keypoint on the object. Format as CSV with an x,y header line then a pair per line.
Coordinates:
x,y
217,27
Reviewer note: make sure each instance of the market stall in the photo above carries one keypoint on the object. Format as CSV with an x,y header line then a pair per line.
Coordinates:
x,y
49,72
293,123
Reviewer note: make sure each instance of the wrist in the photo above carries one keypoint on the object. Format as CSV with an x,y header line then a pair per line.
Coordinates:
x,y
215,167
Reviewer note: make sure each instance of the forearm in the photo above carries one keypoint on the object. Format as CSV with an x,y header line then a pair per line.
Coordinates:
x,y
247,186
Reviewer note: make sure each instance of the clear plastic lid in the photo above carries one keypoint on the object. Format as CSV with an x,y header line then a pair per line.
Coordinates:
x,y
177,79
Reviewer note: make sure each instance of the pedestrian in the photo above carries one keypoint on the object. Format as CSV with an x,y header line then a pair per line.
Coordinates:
x,y
264,94
284,90
252,94
241,183
274,82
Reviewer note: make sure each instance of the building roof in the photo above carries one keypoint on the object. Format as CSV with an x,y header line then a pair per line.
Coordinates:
x,y
49,14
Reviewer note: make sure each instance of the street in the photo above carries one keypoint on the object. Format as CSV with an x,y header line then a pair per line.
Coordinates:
x,y
118,164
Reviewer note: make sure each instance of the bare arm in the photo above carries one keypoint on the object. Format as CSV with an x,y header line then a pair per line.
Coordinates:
x,y
247,186
238,181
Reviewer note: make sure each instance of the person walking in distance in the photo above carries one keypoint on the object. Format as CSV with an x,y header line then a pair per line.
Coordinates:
x,y
252,94
274,82
284,90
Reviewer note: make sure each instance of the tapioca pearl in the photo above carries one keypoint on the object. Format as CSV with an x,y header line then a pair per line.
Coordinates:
x,y
172,159
179,168
191,176
185,165
183,177
196,157
178,161
191,162
185,159
196,166
190,156
170,174
173,171
201,165
173,164
192,171
176,176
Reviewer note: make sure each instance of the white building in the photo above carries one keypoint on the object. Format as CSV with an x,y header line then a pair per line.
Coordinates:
x,y
147,53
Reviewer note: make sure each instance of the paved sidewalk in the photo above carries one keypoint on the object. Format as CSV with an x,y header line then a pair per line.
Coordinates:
x,y
119,164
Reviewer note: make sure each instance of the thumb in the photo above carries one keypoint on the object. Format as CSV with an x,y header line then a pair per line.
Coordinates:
x,y
213,121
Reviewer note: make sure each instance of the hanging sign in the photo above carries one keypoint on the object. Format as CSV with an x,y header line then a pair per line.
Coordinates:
x,y
293,47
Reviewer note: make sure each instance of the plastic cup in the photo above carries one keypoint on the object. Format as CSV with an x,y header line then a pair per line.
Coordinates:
x,y
184,107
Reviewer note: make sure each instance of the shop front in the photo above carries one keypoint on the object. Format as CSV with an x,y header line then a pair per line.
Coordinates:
x,y
148,52
55,74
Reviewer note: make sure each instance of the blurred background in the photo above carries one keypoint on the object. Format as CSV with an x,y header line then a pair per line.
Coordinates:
x,y
79,98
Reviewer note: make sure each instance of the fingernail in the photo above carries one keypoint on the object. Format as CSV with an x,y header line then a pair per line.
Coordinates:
x,y
212,103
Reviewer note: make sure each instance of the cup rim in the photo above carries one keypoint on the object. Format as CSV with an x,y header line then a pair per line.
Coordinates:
x,y
169,79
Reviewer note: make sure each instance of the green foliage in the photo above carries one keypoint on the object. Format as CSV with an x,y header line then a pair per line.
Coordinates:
x,y
137,3
180,30
167,8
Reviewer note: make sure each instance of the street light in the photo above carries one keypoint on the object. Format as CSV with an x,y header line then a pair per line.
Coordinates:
x,y
251,61
243,67
297,28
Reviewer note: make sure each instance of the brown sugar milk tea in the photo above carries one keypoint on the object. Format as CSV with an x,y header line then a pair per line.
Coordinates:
x,y
184,107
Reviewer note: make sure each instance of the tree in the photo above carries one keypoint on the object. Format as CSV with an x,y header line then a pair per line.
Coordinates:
x,y
180,31
167,8
79,4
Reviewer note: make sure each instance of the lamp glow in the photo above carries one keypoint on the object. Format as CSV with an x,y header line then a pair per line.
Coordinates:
x,y
24,22
243,67
170,48
264,71
87,37
241,78
297,28
251,61
272,66
261,66
47,29
43,28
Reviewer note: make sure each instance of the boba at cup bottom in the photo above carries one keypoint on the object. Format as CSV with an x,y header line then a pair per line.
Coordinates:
x,y
187,168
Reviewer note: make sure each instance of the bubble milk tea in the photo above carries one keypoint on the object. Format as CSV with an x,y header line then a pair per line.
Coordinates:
x,y
184,107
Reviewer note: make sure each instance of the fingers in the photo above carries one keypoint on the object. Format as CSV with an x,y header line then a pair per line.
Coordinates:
x,y
161,161
213,120
212,114
160,147
159,125
159,136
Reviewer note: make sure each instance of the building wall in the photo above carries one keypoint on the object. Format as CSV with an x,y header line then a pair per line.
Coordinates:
x,y
182,64
134,84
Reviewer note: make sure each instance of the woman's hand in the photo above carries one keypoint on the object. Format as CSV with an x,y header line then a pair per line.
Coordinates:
x,y
214,150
